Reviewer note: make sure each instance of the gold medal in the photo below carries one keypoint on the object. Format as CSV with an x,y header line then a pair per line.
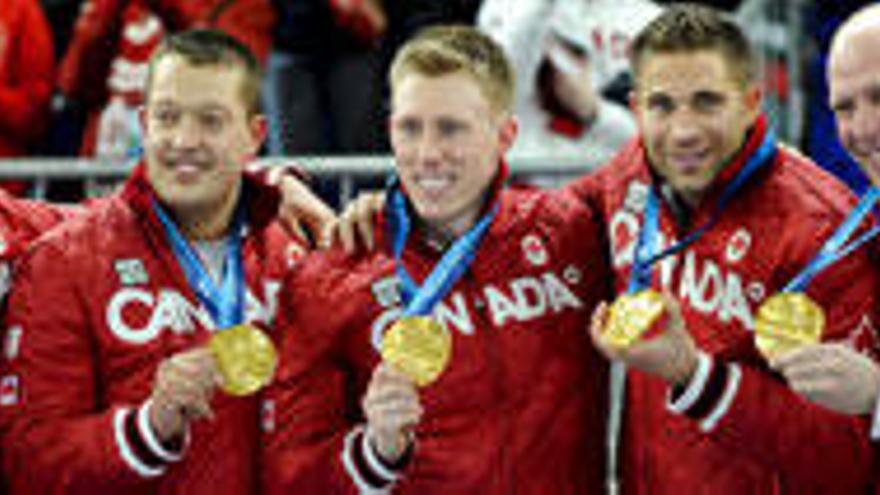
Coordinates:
x,y
419,347
631,315
787,320
245,357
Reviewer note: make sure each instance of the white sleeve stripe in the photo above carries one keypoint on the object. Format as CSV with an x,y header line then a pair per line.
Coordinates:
x,y
734,376
695,386
125,450
875,421
363,487
373,462
149,437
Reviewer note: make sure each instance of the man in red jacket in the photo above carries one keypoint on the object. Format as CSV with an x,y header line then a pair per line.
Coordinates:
x,y
106,380
706,207
520,407
743,216
834,375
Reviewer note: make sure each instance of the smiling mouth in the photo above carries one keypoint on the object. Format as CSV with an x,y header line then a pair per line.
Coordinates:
x,y
690,163
434,186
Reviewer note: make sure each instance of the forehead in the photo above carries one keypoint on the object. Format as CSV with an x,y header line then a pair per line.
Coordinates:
x,y
683,73
175,80
854,64
456,94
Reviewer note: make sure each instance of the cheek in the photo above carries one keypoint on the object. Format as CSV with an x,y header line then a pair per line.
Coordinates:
x,y
844,131
651,131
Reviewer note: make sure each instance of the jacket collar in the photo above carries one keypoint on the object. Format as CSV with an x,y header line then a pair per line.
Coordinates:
x,y
385,223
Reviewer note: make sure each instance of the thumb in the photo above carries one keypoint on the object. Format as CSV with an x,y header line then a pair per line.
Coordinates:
x,y
674,319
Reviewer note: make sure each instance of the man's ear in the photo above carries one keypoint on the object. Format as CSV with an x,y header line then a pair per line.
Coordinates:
x,y
507,133
259,129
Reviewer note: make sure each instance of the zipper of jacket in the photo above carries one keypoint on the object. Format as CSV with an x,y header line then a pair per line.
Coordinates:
x,y
490,342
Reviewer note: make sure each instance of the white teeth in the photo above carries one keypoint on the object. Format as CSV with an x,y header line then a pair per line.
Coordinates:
x,y
433,183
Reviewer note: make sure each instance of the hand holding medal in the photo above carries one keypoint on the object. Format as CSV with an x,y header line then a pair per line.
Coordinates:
x,y
790,318
786,321
245,356
417,348
631,316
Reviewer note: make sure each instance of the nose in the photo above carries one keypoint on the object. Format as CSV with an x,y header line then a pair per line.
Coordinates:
x,y
429,149
683,128
186,134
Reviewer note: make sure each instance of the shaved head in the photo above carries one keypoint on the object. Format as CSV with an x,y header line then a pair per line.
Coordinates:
x,y
854,87
862,22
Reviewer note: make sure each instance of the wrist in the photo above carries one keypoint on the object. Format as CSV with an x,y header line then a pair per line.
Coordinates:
x,y
683,368
166,421
391,447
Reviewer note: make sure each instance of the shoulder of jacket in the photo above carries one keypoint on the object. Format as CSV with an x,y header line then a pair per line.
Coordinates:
x,y
805,189
107,219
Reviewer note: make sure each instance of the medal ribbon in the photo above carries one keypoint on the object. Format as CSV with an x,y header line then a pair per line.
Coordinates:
x,y
644,260
226,302
420,301
836,247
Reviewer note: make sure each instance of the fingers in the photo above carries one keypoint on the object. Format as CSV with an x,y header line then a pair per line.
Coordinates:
x,y
317,215
795,358
300,208
814,388
366,213
357,222
345,230
674,319
329,234
392,401
186,382
391,406
295,228
597,329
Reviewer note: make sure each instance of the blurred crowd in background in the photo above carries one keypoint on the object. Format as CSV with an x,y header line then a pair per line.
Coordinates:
x,y
72,72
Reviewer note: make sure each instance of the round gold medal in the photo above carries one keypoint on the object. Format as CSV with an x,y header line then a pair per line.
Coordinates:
x,y
245,357
419,347
631,315
786,321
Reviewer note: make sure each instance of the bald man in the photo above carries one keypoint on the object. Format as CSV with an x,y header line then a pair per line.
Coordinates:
x,y
835,375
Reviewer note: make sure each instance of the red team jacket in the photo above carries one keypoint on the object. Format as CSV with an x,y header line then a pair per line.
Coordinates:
x,y
22,221
26,73
520,408
96,305
743,430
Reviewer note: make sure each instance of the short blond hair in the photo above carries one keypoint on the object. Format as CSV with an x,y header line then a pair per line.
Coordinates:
x,y
441,50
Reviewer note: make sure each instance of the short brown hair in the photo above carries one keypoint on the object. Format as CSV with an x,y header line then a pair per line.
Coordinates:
x,y
201,47
687,27
441,50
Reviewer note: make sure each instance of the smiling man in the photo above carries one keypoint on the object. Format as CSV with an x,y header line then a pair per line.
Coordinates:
x,y
513,276
838,376
106,380
707,207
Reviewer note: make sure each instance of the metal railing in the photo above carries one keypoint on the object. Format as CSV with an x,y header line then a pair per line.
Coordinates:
x,y
346,169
